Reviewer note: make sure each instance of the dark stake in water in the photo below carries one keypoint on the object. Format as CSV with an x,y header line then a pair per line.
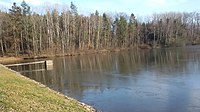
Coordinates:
x,y
162,80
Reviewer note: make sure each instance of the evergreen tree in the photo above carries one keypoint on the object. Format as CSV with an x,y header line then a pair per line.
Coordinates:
x,y
74,9
16,26
27,39
122,31
106,30
26,10
131,30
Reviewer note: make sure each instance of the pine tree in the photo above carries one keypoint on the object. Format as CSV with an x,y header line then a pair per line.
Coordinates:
x,y
106,30
131,30
26,10
16,26
26,29
121,31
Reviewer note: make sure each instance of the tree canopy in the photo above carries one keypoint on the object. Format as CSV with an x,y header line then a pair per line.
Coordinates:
x,y
23,32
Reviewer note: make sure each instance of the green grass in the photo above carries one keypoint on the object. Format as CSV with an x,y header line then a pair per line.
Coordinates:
x,y
20,94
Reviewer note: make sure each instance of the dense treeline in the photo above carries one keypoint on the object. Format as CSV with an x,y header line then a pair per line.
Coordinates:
x,y
54,32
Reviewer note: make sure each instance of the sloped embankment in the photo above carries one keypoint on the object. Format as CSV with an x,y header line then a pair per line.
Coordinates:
x,y
20,94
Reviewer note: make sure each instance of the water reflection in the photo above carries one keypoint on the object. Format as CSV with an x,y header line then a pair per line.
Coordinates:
x,y
164,80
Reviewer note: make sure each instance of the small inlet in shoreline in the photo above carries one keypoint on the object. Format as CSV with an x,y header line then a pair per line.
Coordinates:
x,y
36,65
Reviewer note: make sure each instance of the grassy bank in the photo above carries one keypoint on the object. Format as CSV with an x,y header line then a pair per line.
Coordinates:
x,y
20,94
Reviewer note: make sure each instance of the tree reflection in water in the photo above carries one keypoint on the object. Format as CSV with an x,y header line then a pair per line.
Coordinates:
x,y
134,79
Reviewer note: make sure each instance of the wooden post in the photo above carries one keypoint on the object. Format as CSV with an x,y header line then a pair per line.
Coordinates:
x,y
49,64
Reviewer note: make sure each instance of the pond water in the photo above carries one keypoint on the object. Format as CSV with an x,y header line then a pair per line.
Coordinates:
x,y
161,80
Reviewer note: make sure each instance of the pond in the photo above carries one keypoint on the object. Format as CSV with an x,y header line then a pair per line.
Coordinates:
x,y
159,80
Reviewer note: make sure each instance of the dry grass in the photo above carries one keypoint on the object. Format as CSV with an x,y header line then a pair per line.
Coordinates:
x,y
10,59
19,94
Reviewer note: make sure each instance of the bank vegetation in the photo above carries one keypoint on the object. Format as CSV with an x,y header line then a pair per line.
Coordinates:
x,y
23,32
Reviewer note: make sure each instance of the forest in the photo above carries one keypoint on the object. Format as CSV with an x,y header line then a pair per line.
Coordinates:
x,y
23,32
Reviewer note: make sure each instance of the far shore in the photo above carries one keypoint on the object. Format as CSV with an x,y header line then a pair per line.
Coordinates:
x,y
13,59
4,60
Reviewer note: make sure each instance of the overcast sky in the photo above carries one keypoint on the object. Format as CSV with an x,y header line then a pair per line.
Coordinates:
x,y
138,7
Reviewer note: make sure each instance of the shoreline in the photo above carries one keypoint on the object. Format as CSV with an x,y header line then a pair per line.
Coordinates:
x,y
12,59
62,97
7,60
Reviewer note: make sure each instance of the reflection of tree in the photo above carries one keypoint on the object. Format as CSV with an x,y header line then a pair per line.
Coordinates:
x,y
76,75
